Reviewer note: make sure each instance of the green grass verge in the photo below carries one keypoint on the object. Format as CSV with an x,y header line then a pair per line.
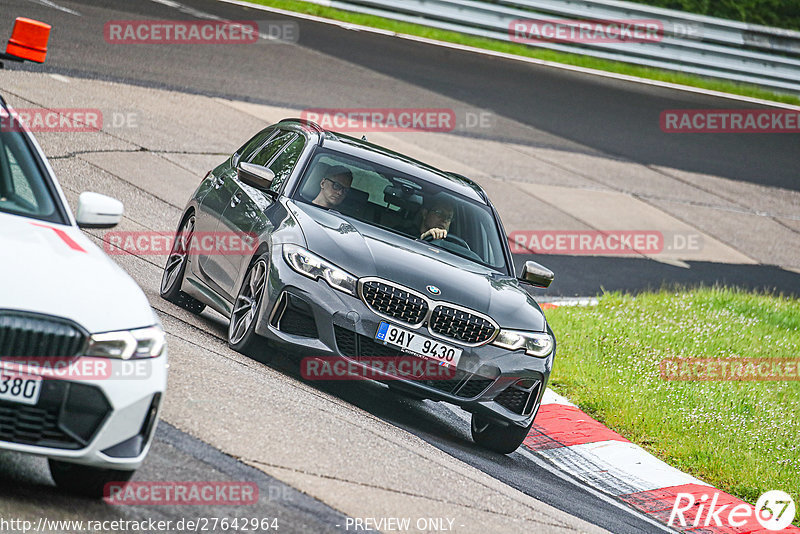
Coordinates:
x,y
742,437
526,51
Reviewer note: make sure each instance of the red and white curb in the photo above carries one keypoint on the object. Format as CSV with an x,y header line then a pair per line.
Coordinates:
x,y
574,442
557,302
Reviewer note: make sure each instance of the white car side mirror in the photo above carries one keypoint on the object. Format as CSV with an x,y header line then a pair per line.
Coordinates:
x,y
98,211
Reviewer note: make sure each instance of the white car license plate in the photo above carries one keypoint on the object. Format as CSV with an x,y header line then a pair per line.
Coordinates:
x,y
409,341
17,387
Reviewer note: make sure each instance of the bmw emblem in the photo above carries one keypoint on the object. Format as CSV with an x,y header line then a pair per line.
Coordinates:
x,y
433,290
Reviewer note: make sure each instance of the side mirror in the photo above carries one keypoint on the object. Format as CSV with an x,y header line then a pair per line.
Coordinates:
x,y
536,274
255,175
98,211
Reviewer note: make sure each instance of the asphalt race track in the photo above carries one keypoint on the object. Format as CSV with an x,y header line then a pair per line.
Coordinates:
x,y
536,106
333,67
574,111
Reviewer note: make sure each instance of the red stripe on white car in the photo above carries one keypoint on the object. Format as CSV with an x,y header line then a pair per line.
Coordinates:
x,y
64,237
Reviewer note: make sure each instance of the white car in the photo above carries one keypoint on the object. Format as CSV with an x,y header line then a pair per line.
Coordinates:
x,y
83,359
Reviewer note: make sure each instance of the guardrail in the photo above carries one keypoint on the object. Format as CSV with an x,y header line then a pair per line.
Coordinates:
x,y
694,44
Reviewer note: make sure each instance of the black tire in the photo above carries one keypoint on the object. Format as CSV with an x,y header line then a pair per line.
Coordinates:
x,y
84,479
175,268
504,439
242,336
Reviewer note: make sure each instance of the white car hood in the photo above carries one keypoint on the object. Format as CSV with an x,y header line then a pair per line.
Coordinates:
x,y
57,270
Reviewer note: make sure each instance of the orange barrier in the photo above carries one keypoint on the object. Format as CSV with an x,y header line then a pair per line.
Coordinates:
x,y
29,40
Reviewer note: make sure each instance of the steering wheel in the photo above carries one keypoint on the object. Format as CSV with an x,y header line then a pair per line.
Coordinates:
x,y
450,237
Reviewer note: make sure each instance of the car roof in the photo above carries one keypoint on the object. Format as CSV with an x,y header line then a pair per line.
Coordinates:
x,y
371,152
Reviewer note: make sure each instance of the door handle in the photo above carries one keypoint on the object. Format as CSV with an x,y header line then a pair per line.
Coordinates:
x,y
235,199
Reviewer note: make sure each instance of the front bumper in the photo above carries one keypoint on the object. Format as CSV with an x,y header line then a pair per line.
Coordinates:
x,y
105,421
319,321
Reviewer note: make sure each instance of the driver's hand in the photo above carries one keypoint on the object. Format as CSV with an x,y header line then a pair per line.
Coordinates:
x,y
435,233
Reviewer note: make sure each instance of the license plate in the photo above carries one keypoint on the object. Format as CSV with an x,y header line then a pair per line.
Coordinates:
x,y
417,344
17,387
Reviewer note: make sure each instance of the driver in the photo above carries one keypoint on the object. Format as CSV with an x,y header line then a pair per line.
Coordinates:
x,y
436,217
334,187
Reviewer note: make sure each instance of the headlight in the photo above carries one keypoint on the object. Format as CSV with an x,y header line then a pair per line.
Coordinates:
x,y
535,343
312,266
127,344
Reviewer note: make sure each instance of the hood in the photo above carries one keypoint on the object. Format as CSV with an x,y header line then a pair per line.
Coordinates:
x,y
56,270
365,250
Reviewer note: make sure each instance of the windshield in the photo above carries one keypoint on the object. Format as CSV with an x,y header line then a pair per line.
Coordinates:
x,y
403,204
23,189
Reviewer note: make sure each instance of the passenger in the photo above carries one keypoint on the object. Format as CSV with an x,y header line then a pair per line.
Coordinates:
x,y
334,187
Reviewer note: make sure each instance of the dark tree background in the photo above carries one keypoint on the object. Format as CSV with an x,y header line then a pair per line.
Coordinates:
x,y
780,13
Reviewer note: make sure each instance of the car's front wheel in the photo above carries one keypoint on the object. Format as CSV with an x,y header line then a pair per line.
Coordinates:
x,y
85,480
242,335
494,436
175,269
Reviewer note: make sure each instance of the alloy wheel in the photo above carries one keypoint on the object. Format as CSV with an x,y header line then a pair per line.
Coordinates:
x,y
178,255
245,308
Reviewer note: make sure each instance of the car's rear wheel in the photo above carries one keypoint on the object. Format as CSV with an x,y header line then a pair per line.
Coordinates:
x,y
85,480
175,269
242,336
494,436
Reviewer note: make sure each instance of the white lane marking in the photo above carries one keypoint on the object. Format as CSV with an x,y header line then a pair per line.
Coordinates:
x,y
188,10
545,464
570,301
48,3
203,15
551,397
169,3
669,261
617,467
60,78
573,68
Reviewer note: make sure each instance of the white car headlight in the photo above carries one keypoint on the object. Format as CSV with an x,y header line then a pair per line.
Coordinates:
x,y
537,344
309,264
128,344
